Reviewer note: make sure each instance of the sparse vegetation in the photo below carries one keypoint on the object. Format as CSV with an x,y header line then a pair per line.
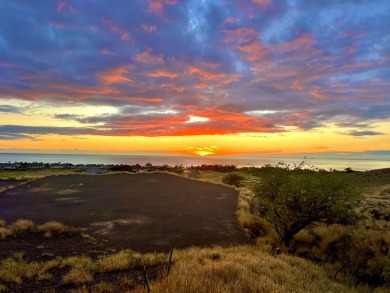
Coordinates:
x,y
76,270
352,253
243,269
55,228
291,200
13,269
233,179
81,272
357,249
5,232
22,226
118,261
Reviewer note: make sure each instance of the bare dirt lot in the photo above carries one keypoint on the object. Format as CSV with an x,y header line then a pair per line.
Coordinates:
x,y
144,212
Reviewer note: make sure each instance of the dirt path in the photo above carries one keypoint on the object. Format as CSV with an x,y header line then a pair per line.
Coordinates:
x,y
381,193
144,212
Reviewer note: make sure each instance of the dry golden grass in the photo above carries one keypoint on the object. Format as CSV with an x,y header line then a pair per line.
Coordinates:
x,y
54,228
243,269
118,261
43,273
5,232
3,288
26,226
211,177
104,287
15,268
127,259
78,276
81,272
21,226
34,173
79,262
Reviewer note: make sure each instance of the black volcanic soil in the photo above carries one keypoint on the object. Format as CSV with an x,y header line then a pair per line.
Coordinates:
x,y
143,212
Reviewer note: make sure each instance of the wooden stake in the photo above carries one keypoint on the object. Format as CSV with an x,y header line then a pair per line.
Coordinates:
x,y
170,261
146,282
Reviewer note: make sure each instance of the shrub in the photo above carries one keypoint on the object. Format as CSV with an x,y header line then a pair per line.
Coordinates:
x,y
233,179
291,200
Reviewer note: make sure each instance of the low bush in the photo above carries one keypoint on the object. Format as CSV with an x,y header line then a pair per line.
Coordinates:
x,y
233,179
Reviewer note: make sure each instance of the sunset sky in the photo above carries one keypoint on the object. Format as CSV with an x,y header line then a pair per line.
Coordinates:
x,y
204,77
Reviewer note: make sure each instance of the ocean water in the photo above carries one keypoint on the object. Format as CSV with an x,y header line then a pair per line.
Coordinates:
x,y
254,161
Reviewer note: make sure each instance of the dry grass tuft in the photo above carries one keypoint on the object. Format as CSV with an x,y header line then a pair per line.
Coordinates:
x,y
54,228
22,226
78,276
43,273
3,288
5,232
81,272
118,261
15,268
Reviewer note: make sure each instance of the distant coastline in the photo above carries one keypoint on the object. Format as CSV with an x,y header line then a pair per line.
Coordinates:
x,y
186,161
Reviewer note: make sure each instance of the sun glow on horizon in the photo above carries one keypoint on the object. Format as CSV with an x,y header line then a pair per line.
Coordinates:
x,y
203,151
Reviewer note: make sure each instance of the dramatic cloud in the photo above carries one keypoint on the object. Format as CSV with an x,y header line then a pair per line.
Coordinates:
x,y
364,133
172,68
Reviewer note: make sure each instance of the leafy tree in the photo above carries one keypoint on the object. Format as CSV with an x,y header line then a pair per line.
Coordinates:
x,y
232,179
291,200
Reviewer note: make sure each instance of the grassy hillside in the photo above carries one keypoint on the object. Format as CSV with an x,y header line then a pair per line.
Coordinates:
x,y
243,269
327,258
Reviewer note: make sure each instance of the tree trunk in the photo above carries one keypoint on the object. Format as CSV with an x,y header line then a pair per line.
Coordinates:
x,y
287,238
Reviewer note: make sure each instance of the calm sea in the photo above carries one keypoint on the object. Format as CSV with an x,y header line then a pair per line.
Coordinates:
x,y
339,164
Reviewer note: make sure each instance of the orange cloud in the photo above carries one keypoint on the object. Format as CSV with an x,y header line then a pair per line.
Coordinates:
x,y
262,3
147,57
157,6
62,5
209,76
318,94
253,51
247,42
115,75
241,35
146,100
124,35
163,73
108,52
149,28
231,19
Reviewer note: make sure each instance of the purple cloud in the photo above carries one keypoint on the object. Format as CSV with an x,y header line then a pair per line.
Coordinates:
x,y
310,62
